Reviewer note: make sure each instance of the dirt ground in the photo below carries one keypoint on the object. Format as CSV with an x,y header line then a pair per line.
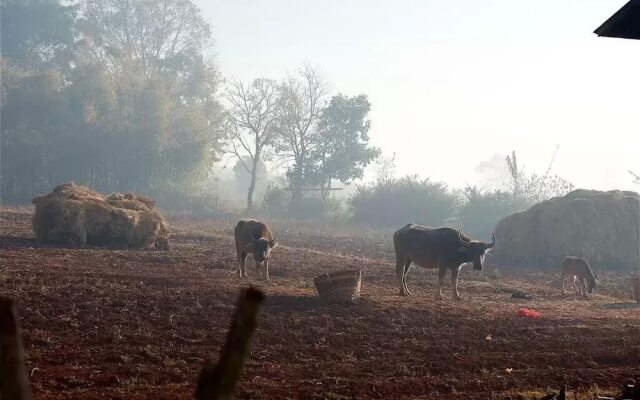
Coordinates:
x,y
139,324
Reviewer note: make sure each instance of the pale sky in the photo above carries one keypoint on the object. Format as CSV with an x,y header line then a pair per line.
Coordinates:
x,y
454,82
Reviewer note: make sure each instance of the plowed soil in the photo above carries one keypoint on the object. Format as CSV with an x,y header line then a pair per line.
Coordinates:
x,y
101,323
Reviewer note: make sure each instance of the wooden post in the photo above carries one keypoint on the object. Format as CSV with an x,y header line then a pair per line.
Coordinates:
x,y
13,380
217,382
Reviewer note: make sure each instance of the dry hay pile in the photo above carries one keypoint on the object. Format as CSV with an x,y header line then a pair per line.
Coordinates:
x,y
602,227
77,215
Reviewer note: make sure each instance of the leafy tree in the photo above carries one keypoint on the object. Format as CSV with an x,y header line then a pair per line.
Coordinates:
x,y
250,125
116,129
144,36
34,32
342,151
302,98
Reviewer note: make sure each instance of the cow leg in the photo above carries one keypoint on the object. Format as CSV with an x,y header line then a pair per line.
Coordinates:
x,y
441,274
242,263
562,276
575,284
583,288
407,267
400,271
454,283
266,271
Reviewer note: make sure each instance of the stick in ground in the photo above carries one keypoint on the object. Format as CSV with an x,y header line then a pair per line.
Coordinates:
x,y
217,382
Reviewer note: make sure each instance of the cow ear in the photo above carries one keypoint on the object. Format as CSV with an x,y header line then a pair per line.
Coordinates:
x,y
273,243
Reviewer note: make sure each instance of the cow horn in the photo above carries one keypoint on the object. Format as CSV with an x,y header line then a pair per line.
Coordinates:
x,y
493,241
460,237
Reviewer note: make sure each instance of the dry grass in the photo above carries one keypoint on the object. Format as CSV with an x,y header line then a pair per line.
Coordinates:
x,y
77,215
602,227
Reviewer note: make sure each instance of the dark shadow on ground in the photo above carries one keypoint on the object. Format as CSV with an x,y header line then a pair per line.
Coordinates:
x,y
619,306
8,242
283,303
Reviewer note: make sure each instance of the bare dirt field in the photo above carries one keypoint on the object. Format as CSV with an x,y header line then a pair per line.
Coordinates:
x,y
139,324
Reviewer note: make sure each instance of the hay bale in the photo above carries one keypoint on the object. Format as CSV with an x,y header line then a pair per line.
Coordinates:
x,y
601,227
341,286
76,215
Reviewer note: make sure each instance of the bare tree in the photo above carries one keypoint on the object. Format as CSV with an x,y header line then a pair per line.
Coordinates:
x,y
515,172
302,99
636,177
531,187
250,123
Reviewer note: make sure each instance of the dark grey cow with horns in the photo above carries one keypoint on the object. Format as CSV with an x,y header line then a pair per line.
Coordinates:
x,y
436,248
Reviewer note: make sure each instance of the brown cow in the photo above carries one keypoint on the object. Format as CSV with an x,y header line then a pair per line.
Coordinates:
x,y
579,269
253,237
436,248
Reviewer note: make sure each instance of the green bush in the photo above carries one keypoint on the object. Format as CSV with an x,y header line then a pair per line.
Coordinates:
x,y
480,212
275,201
396,202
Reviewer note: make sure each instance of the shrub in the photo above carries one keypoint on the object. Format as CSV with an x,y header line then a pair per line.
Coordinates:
x,y
395,202
480,212
275,201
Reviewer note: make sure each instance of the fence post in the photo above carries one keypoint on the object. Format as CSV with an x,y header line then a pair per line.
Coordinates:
x,y
13,380
217,382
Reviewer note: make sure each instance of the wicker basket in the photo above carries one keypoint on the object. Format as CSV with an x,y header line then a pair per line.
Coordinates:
x,y
341,286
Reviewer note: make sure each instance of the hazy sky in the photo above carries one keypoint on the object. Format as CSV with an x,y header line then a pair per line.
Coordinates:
x,y
454,82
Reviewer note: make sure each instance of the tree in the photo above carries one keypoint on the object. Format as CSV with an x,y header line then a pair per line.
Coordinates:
x,y
302,98
145,36
533,188
34,32
342,150
386,168
243,177
115,129
250,123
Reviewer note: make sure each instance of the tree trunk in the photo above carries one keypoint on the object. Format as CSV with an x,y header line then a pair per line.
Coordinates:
x,y
296,185
252,185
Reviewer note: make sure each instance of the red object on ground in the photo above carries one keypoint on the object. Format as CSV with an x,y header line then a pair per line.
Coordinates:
x,y
529,313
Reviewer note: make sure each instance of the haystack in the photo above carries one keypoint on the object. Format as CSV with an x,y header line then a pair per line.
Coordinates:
x,y
76,215
602,227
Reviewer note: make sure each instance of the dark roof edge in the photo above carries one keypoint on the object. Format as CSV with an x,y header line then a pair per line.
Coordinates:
x,y
602,29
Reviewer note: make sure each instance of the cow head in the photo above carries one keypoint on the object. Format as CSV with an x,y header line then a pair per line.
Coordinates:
x,y
262,249
474,250
590,283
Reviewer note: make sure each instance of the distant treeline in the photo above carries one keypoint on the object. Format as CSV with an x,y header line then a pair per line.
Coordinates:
x,y
121,95
392,202
117,95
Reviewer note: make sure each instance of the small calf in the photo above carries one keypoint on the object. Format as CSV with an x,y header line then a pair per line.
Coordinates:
x,y
579,269
255,237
